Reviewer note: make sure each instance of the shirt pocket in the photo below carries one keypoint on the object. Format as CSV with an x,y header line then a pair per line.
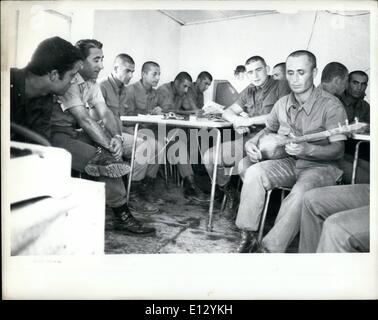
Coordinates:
x,y
313,125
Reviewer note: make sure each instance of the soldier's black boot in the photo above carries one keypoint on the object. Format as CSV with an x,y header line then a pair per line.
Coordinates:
x,y
125,221
193,192
248,242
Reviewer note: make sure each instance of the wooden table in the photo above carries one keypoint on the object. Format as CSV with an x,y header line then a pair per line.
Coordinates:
x,y
362,138
191,123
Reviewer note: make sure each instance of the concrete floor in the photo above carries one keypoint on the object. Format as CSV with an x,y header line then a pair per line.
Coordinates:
x,y
181,225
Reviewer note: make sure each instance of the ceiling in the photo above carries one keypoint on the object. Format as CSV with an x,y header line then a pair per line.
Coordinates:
x,y
189,17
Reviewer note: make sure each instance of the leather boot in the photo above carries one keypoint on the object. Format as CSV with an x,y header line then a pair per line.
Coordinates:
x,y
125,221
103,164
248,242
192,192
138,203
230,210
149,193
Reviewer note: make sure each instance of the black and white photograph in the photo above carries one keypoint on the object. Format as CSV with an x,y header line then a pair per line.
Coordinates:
x,y
189,149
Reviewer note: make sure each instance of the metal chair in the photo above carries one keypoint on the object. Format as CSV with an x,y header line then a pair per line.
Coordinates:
x,y
175,174
266,205
265,210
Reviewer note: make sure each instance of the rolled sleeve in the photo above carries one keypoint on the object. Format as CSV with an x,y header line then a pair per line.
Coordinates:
x,y
272,122
96,97
72,98
335,115
242,99
104,92
164,100
130,106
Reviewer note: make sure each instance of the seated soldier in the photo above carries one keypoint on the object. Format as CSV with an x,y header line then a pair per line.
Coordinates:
x,y
171,95
141,98
96,147
353,97
279,71
334,78
335,81
240,80
335,219
194,96
251,108
239,72
304,166
113,89
53,65
170,98
356,107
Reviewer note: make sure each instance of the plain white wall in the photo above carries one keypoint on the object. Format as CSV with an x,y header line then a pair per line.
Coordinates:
x,y
219,46
82,24
145,35
216,46
34,24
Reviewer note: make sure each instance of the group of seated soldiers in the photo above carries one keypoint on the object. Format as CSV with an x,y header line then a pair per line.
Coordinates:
x,y
58,96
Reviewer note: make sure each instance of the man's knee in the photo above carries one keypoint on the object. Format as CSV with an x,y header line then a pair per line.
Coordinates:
x,y
139,142
242,166
80,151
310,198
254,173
304,189
311,208
332,229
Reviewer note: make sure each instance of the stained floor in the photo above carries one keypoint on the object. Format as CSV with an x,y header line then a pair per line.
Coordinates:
x,y
181,225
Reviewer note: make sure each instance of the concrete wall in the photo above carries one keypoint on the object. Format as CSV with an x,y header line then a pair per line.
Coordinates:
x,y
145,35
218,47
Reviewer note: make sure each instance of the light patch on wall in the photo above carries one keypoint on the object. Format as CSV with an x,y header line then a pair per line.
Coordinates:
x,y
37,19
338,22
36,24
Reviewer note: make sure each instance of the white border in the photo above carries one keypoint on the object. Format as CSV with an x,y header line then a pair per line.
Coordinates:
x,y
196,276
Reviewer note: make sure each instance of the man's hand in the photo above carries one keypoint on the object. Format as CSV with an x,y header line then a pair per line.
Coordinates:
x,y
115,147
157,110
299,150
241,130
211,107
252,151
241,122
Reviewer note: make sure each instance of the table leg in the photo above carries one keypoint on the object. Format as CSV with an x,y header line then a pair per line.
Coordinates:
x,y
132,162
214,181
165,169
